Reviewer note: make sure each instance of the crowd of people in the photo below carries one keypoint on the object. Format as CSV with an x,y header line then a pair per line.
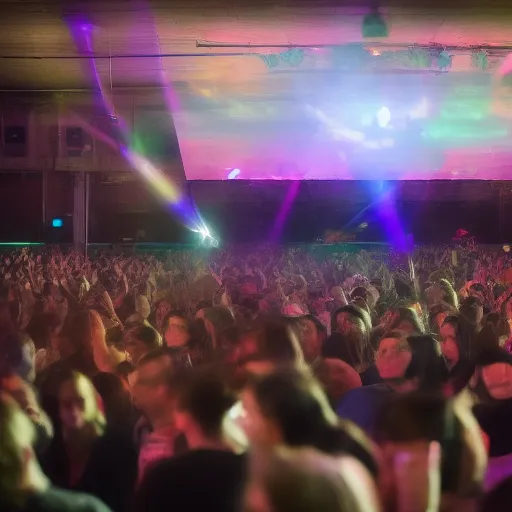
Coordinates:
x,y
257,380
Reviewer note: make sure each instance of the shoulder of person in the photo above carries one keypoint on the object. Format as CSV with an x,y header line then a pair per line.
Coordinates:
x,y
60,500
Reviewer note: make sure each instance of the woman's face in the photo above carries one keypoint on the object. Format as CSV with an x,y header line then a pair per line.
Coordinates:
x,y
260,431
72,405
449,345
393,358
177,333
311,340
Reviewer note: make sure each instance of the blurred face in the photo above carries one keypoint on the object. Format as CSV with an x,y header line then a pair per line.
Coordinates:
x,y
76,405
176,333
311,340
260,430
449,346
135,349
393,358
150,394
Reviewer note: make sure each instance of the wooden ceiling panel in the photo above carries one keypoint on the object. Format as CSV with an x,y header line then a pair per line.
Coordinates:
x,y
38,29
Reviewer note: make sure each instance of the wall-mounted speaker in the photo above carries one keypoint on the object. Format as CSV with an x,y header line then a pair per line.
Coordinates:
x,y
15,141
75,141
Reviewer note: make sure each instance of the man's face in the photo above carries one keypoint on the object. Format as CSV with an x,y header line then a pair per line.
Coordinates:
x,y
176,333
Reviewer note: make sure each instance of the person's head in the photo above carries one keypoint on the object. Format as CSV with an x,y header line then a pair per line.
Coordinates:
x,y
155,381
140,340
219,323
176,329
289,407
303,480
18,355
496,324
337,378
274,342
116,399
437,315
351,318
313,337
78,403
393,356
407,321
458,338
18,435
472,310
450,345
415,358
406,431
202,401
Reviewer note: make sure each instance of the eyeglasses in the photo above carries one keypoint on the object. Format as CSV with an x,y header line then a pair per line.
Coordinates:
x,y
397,349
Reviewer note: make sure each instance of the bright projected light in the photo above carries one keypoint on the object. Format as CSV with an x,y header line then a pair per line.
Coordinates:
x,y
329,124
233,174
383,117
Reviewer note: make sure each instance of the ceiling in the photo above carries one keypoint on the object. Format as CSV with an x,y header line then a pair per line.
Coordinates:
x,y
210,57
40,49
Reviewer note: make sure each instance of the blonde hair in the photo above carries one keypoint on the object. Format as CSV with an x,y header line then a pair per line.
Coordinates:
x,y
16,433
92,412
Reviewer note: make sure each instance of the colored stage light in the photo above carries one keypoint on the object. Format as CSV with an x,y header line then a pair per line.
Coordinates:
x,y
383,117
233,174
57,223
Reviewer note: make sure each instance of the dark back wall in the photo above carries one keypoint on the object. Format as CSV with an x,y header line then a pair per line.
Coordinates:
x,y
245,212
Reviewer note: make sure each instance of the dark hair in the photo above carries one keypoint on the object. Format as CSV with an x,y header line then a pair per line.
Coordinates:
x,y
437,309
277,341
407,315
466,331
320,327
355,311
352,347
223,324
423,417
359,291
346,347
297,403
204,395
116,400
427,364
146,335
177,360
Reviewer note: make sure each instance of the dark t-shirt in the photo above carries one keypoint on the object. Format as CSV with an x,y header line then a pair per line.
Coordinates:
x,y
495,419
110,472
58,500
199,480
